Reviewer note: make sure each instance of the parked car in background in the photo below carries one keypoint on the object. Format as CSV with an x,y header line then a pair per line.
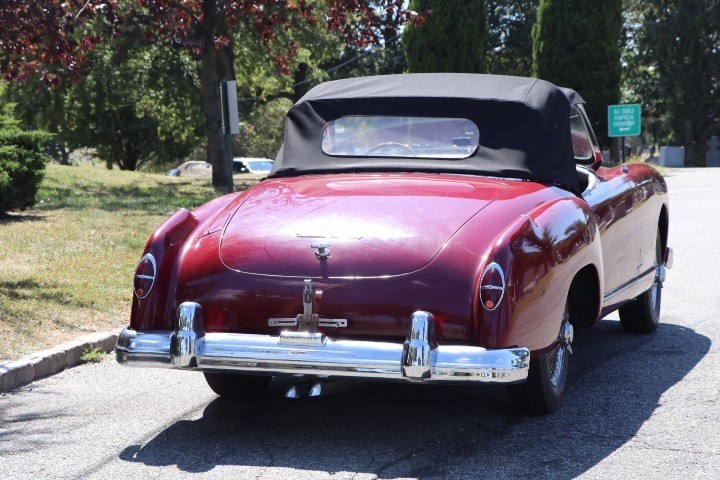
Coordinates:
x,y
427,228
252,165
193,168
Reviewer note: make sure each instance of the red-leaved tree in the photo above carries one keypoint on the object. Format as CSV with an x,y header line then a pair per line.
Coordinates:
x,y
51,38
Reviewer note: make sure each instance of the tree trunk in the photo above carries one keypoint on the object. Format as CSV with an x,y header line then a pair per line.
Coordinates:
x,y
215,65
210,94
130,162
64,154
301,85
615,150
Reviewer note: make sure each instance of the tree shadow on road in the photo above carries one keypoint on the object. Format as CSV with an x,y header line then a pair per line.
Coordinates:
x,y
392,430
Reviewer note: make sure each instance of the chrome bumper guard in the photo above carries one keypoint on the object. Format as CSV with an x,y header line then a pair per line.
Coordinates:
x,y
418,359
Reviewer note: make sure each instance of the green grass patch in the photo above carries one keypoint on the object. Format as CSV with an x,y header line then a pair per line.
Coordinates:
x,y
66,265
92,355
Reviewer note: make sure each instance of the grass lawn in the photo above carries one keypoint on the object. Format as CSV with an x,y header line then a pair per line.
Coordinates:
x,y
66,266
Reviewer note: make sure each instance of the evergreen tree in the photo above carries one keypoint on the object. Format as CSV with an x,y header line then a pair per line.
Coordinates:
x,y
509,39
576,44
451,39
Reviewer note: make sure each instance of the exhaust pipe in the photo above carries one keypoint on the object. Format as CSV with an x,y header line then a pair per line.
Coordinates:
x,y
316,387
305,389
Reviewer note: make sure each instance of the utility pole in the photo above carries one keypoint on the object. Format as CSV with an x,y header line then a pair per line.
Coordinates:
x,y
231,124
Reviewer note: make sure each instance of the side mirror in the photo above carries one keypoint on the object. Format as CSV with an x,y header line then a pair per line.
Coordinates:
x,y
598,161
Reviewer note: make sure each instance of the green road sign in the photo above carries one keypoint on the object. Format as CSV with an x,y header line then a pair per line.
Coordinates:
x,y
624,120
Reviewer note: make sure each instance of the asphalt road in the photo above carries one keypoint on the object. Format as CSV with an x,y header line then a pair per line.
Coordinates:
x,y
638,406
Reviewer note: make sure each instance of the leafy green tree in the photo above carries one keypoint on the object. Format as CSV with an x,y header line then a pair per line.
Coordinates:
x,y
311,47
50,36
451,38
576,44
261,131
132,108
509,40
384,57
673,59
208,29
135,102
264,96
319,55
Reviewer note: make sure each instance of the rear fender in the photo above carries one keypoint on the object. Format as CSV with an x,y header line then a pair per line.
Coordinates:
x,y
540,253
165,244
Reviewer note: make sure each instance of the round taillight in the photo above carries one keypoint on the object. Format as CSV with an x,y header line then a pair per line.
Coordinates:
x,y
492,287
145,276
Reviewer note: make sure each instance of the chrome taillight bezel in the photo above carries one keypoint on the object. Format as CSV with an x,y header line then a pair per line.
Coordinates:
x,y
492,266
151,258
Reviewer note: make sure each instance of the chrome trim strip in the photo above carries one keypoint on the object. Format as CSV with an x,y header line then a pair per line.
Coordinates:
x,y
419,359
629,284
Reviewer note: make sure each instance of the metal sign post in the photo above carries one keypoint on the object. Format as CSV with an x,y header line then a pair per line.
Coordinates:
x,y
624,121
231,123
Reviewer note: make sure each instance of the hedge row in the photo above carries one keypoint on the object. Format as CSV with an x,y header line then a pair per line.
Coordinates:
x,y
22,165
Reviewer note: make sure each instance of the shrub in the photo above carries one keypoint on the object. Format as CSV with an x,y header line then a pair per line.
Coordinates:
x,y
21,167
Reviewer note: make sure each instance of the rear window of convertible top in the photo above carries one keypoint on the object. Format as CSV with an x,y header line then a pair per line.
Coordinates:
x,y
405,137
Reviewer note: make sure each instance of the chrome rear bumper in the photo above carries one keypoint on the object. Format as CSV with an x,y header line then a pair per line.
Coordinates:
x,y
418,359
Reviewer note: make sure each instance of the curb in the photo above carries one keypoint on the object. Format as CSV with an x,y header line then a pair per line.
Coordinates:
x,y
16,373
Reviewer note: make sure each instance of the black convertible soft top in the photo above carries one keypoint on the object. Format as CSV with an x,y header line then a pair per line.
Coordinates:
x,y
523,124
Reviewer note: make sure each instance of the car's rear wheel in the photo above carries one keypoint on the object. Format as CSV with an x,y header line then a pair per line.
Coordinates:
x,y
234,386
545,386
642,315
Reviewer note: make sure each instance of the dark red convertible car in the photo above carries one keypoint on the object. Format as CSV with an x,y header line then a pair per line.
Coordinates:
x,y
422,228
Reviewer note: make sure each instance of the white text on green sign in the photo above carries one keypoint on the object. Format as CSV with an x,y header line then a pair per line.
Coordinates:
x,y
624,120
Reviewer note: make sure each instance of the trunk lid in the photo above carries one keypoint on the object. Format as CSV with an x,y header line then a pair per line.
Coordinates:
x,y
375,225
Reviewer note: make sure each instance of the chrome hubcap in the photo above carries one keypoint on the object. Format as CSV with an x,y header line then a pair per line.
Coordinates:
x,y
660,272
556,361
556,358
567,334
